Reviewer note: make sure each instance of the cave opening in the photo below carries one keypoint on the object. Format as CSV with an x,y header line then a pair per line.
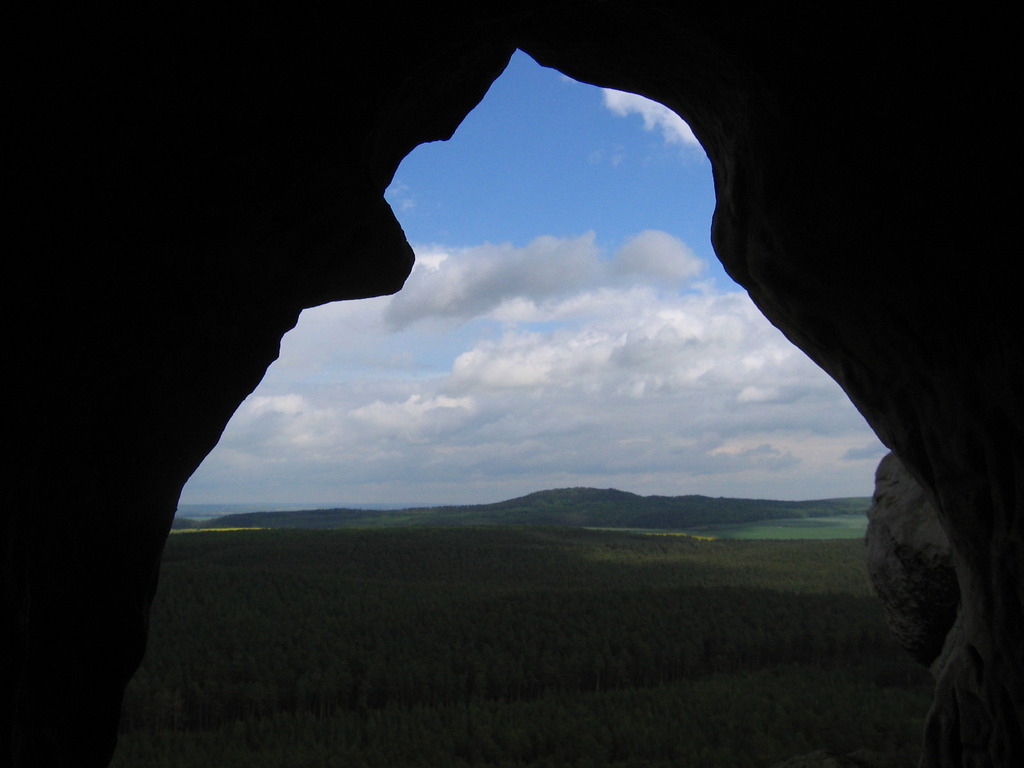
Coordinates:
x,y
567,324
845,209
523,356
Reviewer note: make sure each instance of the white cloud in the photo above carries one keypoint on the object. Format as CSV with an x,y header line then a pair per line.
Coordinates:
x,y
462,284
515,283
414,413
655,116
658,255
287,404
399,196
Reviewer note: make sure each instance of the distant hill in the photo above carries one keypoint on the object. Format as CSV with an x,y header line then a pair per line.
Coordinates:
x,y
573,507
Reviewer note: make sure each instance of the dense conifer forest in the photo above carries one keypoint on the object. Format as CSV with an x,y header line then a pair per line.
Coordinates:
x,y
493,646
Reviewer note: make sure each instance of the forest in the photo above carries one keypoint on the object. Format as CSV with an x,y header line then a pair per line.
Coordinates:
x,y
502,646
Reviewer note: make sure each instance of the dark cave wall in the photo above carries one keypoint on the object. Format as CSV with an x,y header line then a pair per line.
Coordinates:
x,y
186,187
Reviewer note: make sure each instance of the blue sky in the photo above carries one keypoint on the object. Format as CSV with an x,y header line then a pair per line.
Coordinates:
x,y
566,324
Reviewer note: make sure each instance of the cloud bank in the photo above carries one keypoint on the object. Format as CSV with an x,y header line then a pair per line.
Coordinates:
x,y
500,370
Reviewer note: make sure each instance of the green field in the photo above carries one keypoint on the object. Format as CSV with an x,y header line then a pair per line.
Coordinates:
x,y
491,646
833,527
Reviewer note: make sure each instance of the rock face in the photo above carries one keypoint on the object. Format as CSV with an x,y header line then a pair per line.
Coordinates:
x,y
910,563
184,187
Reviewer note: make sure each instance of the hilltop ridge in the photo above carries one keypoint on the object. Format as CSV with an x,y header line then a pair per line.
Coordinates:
x,y
573,507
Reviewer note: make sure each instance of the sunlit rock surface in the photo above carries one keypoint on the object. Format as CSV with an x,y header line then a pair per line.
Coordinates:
x,y
184,186
910,562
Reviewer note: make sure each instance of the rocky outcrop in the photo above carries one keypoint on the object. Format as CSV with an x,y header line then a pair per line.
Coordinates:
x,y
910,562
184,186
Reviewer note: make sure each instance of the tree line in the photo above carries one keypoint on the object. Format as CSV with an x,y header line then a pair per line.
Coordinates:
x,y
577,507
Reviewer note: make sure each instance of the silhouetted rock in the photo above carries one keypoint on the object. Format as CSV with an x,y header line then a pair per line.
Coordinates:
x,y
910,562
